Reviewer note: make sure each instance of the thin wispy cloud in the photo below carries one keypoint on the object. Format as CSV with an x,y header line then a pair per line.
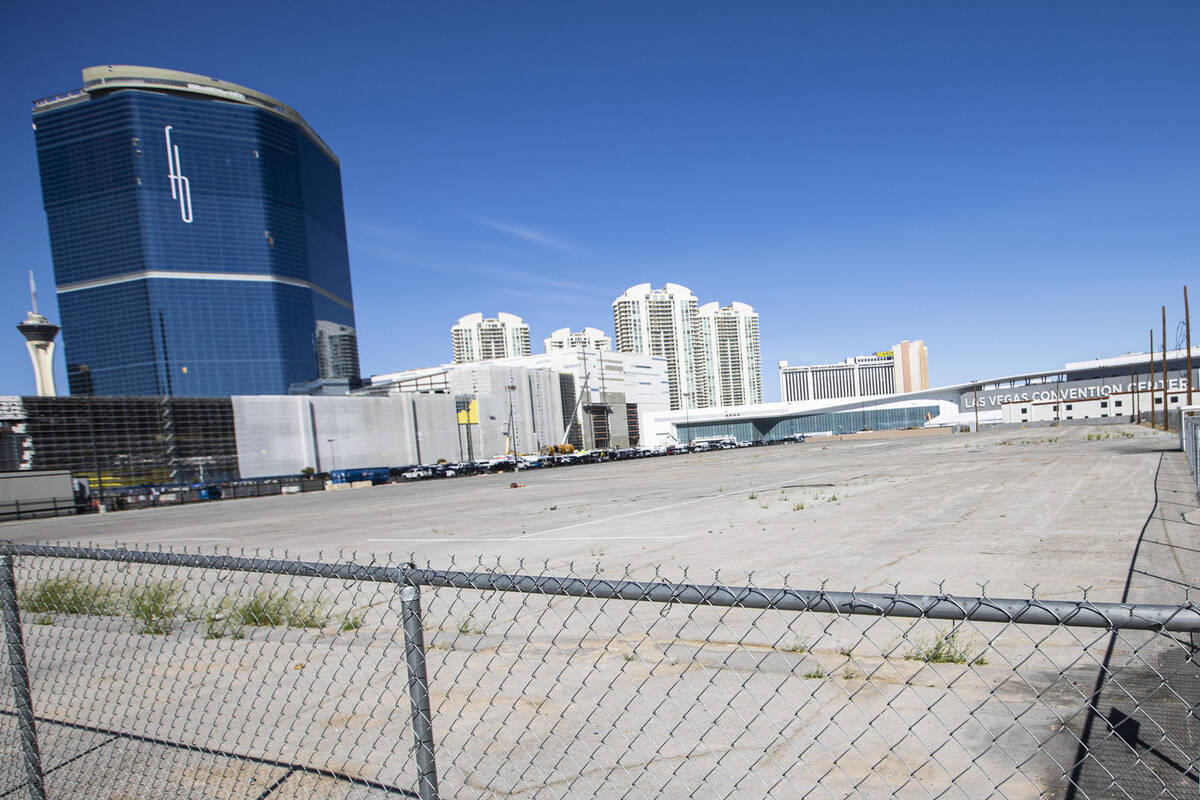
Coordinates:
x,y
529,235
522,276
379,231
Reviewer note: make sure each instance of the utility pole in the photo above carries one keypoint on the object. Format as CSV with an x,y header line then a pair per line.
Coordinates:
x,y
586,400
512,434
1166,416
976,391
1132,395
1152,377
1187,326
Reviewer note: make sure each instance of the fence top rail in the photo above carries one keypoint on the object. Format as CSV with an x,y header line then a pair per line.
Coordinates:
x,y
1031,611
239,563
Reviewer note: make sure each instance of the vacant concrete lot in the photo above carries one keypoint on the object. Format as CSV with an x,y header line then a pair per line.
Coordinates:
x,y
1057,507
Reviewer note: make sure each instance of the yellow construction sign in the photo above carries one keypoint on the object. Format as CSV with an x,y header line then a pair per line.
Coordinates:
x,y
469,415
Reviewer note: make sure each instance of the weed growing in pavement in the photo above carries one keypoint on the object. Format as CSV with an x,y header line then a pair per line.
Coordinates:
x,y
352,621
219,622
155,605
467,625
798,645
797,506
269,609
70,595
946,648
849,674
752,496
815,673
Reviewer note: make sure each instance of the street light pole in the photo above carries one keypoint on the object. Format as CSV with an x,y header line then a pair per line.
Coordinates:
x,y
687,416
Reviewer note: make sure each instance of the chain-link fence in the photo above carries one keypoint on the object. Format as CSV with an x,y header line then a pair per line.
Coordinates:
x,y
167,674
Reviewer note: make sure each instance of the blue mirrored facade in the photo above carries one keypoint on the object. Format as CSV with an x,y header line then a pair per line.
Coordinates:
x,y
198,239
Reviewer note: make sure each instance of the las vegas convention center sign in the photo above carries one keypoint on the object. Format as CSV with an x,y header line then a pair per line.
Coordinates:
x,y
1092,389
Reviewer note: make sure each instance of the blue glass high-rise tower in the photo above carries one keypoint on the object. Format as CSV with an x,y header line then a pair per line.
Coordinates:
x,y
198,238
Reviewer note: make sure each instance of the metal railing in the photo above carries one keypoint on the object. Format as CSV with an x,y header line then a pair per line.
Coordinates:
x,y
151,673
36,509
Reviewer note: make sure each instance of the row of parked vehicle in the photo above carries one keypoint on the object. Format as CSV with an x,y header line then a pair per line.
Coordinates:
x,y
512,463
123,497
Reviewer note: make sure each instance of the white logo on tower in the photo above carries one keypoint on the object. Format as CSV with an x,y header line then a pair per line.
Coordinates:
x,y
181,189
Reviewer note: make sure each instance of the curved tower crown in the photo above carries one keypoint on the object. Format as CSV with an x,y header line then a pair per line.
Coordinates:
x,y
111,77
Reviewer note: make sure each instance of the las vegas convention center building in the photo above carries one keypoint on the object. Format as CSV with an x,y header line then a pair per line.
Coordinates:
x,y
1096,390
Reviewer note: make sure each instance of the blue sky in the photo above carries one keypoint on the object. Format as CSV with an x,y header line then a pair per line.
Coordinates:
x,y
1018,184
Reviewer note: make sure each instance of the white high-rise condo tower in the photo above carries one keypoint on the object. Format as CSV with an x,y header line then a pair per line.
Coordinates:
x,y
478,339
39,335
730,353
588,339
662,322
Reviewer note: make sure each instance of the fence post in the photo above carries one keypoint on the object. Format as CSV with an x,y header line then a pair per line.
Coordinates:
x,y
19,675
418,691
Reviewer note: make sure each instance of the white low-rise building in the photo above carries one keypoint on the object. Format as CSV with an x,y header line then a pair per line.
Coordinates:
x,y
501,406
